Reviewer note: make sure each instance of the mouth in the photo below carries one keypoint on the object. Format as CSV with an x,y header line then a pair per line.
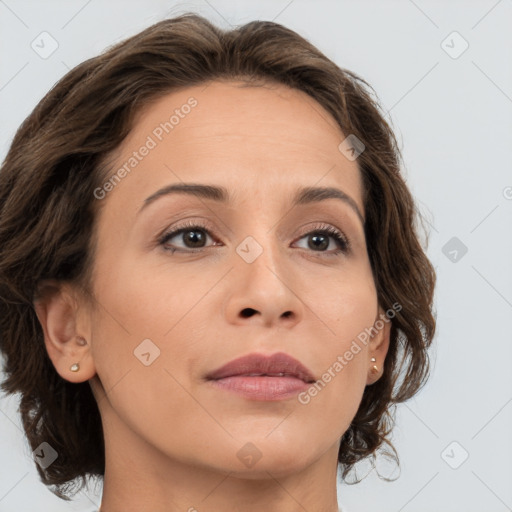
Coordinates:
x,y
259,365
261,377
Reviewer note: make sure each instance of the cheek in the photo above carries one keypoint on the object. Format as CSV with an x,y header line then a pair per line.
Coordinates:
x,y
343,301
347,309
142,350
144,325
139,301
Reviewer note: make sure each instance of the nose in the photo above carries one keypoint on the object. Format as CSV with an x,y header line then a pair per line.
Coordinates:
x,y
264,292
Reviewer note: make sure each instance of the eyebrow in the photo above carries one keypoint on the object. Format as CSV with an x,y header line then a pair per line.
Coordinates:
x,y
303,196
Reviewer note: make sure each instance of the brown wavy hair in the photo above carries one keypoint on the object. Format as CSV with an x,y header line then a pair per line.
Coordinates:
x,y
48,212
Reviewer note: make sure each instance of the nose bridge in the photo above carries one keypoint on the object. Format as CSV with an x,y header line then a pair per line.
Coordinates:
x,y
260,247
262,262
263,282
262,244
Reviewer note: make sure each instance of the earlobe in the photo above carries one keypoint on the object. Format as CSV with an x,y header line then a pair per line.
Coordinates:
x,y
57,309
378,349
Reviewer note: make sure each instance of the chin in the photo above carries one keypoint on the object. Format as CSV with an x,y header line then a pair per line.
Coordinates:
x,y
271,466
257,458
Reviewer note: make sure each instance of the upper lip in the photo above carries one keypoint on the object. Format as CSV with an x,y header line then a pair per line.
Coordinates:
x,y
259,364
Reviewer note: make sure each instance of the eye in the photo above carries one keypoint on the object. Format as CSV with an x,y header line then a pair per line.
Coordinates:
x,y
319,240
193,235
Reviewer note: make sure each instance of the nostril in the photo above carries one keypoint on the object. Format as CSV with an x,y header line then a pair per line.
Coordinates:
x,y
248,312
287,314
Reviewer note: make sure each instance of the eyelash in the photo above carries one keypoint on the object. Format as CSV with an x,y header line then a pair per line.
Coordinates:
x,y
342,240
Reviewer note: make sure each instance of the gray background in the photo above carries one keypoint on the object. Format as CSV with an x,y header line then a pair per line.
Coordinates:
x,y
452,114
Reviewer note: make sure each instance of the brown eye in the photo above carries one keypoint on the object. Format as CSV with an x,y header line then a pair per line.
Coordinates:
x,y
319,240
191,237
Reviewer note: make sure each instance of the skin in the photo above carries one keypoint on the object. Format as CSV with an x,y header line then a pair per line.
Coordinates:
x,y
171,439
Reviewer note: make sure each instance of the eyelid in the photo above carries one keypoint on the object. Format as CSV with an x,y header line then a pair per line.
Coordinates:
x,y
331,231
319,226
187,224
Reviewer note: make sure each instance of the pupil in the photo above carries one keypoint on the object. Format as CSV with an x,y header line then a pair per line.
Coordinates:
x,y
323,244
195,238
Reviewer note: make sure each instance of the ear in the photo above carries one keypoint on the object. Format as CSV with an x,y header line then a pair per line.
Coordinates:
x,y
378,347
60,314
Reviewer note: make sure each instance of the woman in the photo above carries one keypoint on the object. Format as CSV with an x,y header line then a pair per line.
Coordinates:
x,y
212,289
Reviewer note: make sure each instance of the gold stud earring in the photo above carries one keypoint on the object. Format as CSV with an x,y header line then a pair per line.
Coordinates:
x,y
74,367
375,369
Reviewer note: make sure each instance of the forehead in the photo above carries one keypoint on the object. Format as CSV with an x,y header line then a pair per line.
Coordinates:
x,y
260,139
236,109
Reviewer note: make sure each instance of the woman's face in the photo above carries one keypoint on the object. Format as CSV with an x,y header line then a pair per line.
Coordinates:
x,y
256,273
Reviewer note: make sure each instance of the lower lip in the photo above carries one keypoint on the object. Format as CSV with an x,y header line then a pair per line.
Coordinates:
x,y
262,387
